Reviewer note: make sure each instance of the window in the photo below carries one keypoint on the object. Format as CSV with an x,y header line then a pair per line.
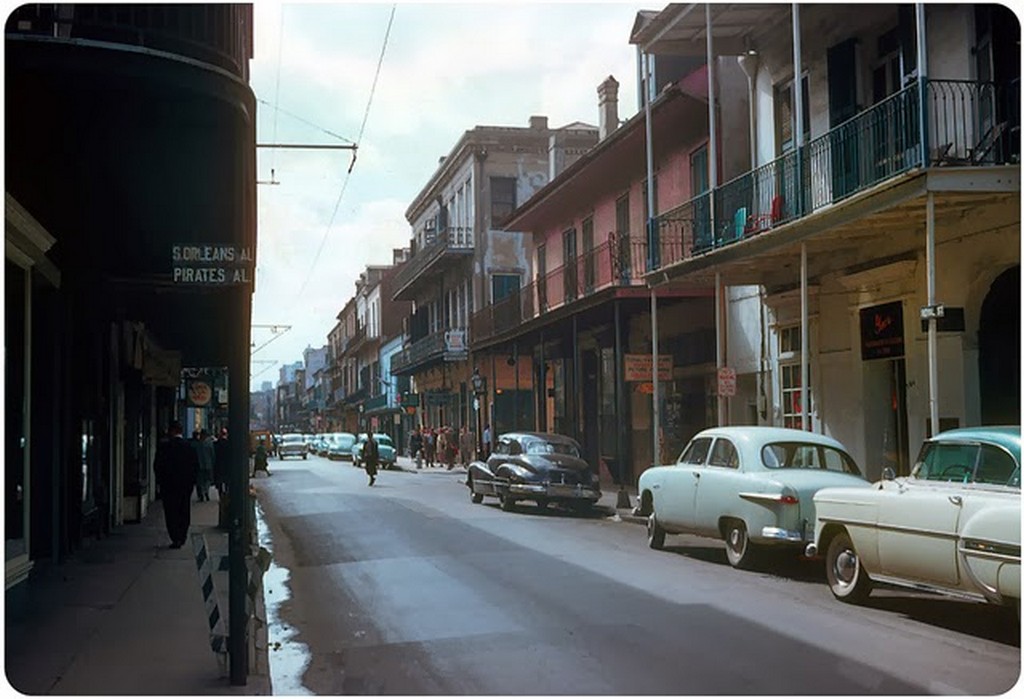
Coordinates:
x,y
589,271
503,286
789,373
503,198
622,255
946,462
997,467
699,171
807,456
696,452
569,277
724,454
542,277
785,117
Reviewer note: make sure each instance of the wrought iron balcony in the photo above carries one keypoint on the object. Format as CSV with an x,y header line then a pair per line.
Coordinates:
x,y
451,243
965,124
375,403
621,261
451,344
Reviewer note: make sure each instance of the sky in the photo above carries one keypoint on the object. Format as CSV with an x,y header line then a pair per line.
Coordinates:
x,y
446,68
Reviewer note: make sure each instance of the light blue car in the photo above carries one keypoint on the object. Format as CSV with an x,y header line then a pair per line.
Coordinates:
x,y
751,486
340,447
385,447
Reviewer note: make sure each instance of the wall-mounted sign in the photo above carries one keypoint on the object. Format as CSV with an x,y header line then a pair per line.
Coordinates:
x,y
199,393
881,331
212,264
637,367
727,382
455,348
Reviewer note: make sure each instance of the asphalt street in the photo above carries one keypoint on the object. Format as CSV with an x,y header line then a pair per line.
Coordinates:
x,y
407,587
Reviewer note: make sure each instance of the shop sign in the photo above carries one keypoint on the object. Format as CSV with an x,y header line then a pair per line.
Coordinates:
x,y
455,348
881,331
199,394
212,264
637,367
645,387
727,382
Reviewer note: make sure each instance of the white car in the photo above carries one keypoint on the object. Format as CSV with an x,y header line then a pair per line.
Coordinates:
x,y
292,445
952,526
750,486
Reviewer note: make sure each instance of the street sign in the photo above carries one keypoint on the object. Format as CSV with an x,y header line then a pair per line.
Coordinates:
x,y
727,382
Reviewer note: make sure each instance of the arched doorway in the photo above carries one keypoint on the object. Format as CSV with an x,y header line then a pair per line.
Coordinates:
x,y
999,351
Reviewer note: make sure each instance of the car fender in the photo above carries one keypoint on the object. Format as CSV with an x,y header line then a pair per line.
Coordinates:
x,y
989,551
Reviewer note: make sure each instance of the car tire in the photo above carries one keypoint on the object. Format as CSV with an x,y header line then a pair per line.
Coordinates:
x,y
508,503
303,457
738,548
655,534
847,579
542,503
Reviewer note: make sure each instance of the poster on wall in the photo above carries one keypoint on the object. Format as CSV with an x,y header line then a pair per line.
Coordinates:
x,y
881,331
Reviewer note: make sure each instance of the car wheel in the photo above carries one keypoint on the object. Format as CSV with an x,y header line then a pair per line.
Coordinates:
x,y
738,548
848,581
542,503
508,503
303,457
655,534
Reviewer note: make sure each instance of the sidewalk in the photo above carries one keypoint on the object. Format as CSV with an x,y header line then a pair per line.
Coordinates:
x,y
125,615
609,502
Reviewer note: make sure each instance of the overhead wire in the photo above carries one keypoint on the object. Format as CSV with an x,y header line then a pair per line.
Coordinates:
x,y
359,139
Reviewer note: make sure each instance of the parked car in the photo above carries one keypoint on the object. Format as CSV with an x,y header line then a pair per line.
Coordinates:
x,y
340,447
292,445
542,467
385,449
952,526
750,486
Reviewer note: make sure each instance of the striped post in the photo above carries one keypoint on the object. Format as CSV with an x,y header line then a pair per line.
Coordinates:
x,y
204,566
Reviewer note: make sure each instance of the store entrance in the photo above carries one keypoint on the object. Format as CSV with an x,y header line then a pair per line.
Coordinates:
x,y
999,351
886,418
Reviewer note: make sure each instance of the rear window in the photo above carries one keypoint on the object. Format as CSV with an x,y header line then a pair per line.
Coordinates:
x,y
808,456
538,447
292,439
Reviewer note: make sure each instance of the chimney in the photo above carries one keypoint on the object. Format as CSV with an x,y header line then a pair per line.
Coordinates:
x,y
607,107
540,123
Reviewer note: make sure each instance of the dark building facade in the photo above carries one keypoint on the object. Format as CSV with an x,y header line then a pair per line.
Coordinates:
x,y
131,236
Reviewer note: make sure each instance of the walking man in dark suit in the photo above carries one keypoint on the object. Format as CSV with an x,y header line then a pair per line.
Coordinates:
x,y
176,466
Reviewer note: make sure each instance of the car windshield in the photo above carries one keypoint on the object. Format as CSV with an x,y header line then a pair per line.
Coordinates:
x,y
345,440
383,440
808,455
540,447
292,439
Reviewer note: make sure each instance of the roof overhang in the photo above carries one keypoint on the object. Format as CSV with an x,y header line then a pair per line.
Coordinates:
x,y
681,28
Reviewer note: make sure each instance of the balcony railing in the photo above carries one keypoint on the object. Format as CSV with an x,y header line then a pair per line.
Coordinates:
x,y
439,345
378,402
621,261
451,240
968,123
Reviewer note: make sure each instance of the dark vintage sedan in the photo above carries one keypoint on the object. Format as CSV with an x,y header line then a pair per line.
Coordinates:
x,y
544,468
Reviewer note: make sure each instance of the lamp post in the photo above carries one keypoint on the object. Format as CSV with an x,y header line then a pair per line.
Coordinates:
x,y
479,389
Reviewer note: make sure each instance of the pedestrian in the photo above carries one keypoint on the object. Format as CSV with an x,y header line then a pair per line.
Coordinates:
x,y
441,446
176,465
451,447
487,440
220,463
206,453
428,446
370,458
416,447
260,459
466,442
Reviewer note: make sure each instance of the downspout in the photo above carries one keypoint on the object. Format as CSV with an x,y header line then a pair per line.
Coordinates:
x,y
713,182
805,351
798,106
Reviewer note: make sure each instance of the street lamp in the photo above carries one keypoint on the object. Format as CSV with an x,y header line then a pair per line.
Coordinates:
x,y
479,389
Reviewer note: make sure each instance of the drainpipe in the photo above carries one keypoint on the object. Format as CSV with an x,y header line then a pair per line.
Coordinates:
x,y
805,351
719,349
922,81
748,64
798,106
712,129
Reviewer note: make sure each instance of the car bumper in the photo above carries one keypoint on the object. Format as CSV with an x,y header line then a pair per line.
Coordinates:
x,y
555,492
782,535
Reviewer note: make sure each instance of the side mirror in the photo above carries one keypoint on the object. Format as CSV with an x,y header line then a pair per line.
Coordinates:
x,y
888,474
